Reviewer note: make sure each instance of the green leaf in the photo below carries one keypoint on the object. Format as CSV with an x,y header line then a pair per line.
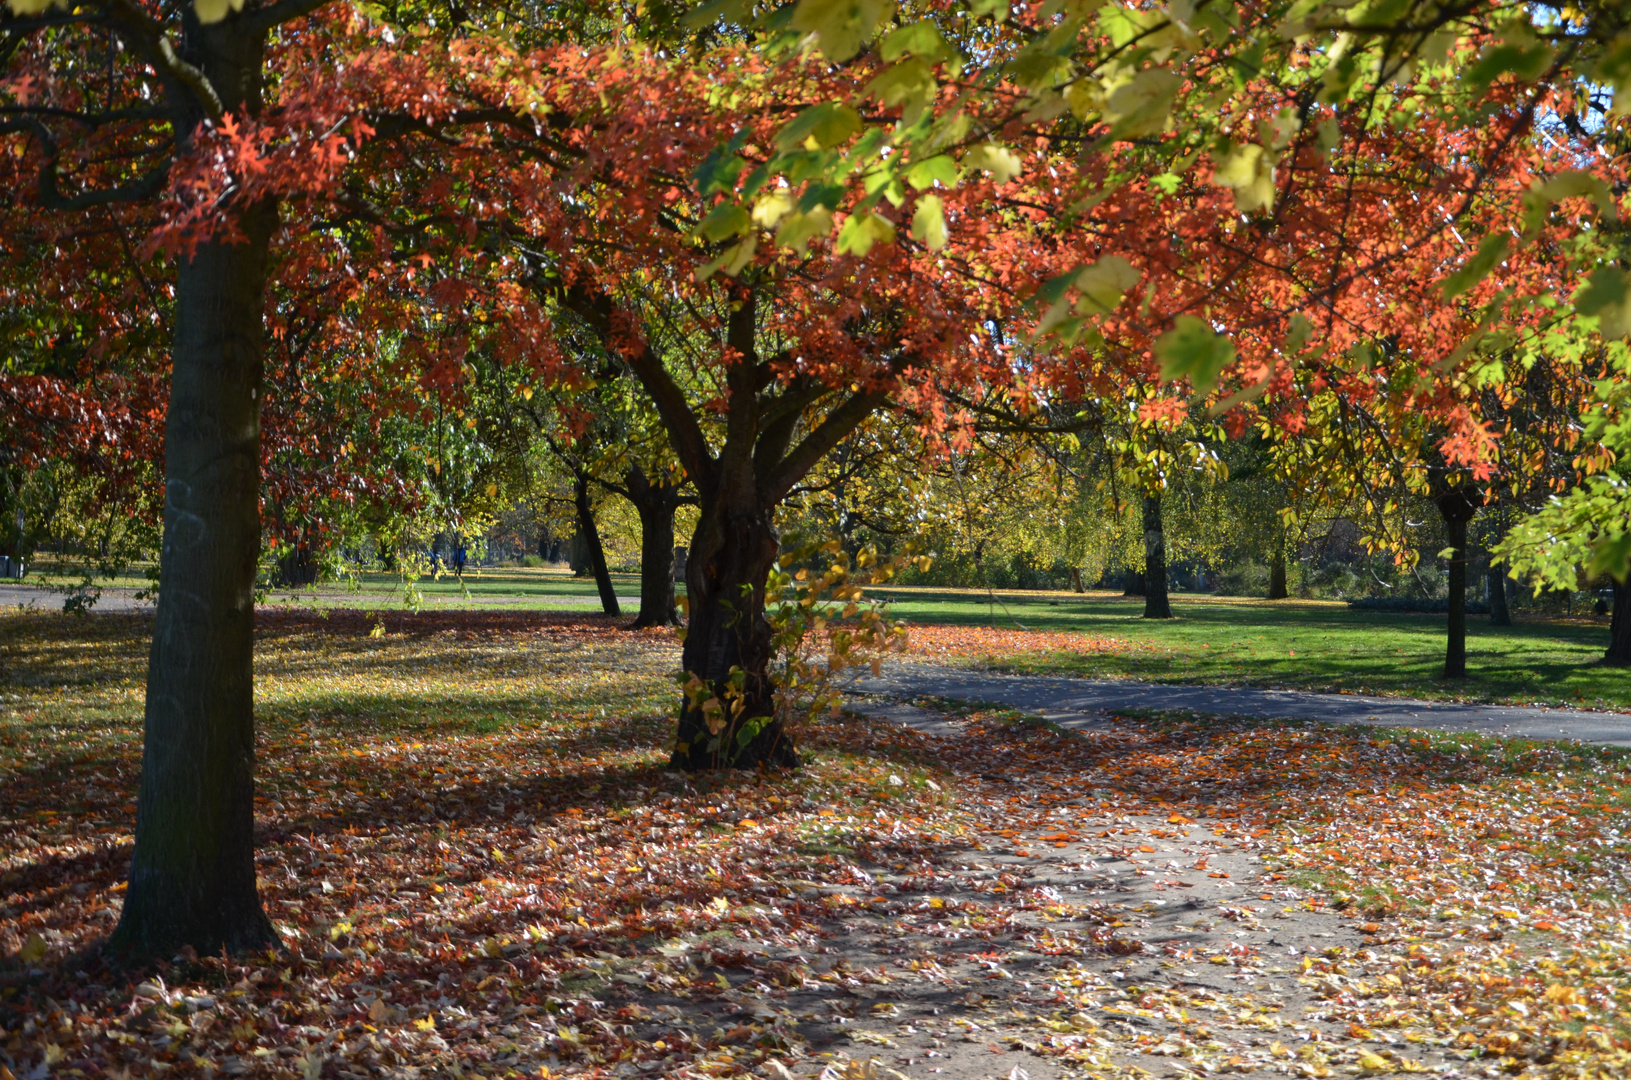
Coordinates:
x,y
1249,170
1103,284
841,27
923,174
1607,295
1611,556
929,222
724,221
1491,250
1569,184
1521,55
1194,350
213,11
828,124
1613,67
997,9
909,83
719,170
800,227
1002,163
861,232
1141,107
731,11
33,950
922,39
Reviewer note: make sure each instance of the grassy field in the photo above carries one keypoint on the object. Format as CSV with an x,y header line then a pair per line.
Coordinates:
x,y
1304,644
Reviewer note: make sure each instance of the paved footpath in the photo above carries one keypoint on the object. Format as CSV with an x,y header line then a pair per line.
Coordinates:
x,y
1085,704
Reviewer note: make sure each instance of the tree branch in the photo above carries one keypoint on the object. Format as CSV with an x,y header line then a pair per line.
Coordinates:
x,y
816,445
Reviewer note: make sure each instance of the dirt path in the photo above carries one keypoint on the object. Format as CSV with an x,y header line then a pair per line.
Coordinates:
x,y
1084,704
1102,945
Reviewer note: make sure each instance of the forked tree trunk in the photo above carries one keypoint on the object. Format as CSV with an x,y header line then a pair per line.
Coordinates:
x,y
1457,508
192,876
1156,605
591,539
728,640
656,504
1619,627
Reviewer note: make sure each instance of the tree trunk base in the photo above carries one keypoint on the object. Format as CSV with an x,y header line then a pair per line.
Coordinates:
x,y
772,748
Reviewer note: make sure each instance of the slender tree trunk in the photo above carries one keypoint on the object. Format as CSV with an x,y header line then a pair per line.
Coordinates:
x,y
1500,613
1076,580
591,539
192,876
656,504
1619,627
1277,570
728,639
1458,508
1156,605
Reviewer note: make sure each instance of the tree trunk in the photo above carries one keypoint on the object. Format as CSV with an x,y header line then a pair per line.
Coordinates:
x,y
1156,605
1133,583
192,876
1457,507
728,641
1076,580
1500,610
656,504
1619,627
591,539
1500,613
1277,571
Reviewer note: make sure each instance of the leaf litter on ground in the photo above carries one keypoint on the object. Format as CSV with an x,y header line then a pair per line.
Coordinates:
x,y
480,867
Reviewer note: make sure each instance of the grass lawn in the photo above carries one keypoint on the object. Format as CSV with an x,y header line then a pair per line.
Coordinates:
x,y
1300,644
1297,644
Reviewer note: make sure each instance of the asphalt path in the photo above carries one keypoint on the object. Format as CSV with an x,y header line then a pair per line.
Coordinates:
x,y
1084,704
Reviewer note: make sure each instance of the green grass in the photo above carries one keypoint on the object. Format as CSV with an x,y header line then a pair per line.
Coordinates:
x,y
508,587
1296,644
1293,644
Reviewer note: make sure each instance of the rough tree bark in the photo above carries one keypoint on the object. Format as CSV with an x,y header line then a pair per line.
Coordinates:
x,y
1619,627
1457,507
591,538
1076,580
1156,604
655,504
192,874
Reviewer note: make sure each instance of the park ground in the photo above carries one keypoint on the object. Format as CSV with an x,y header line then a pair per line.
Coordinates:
x,y
1315,645
480,867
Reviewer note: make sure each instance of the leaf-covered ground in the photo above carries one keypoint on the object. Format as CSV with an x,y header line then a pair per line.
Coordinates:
x,y
480,867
